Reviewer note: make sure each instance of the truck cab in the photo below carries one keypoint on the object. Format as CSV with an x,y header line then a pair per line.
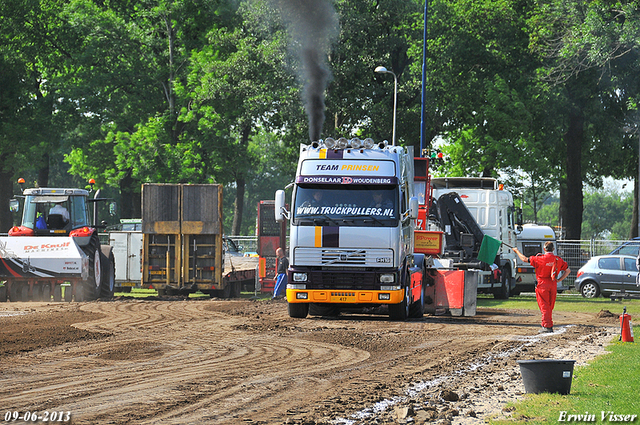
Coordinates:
x,y
531,241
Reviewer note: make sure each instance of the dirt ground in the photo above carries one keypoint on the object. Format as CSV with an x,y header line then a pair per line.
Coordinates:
x,y
180,361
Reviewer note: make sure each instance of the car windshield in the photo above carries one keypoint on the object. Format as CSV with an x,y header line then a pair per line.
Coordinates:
x,y
353,205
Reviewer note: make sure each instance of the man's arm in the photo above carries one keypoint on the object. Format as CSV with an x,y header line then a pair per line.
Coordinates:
x,y
519,254
565,274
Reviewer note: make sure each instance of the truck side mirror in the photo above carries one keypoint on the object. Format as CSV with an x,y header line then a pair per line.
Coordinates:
x,y
519,217
281,212
413,208
14,205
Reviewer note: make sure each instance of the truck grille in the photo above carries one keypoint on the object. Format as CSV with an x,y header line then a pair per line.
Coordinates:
x,y
344,257
342,280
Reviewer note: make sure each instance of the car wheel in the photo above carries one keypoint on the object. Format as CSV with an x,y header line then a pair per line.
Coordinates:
x,y
590,289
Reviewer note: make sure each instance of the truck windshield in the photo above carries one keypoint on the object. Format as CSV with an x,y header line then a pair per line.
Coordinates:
x,y
338,205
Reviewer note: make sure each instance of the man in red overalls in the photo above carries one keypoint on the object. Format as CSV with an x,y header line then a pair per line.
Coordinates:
x,y
550,269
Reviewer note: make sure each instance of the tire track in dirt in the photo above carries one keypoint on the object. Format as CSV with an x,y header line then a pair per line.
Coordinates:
x,y
196,353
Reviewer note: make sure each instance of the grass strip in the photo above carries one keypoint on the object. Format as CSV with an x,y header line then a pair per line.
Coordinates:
x,y
603,392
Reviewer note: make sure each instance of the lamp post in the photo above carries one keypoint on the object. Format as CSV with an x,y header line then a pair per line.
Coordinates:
x,y
383,70
631,130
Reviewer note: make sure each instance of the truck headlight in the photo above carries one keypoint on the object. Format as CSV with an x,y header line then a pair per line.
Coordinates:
x,y
299,277
384,297
294,286
302,296
387,278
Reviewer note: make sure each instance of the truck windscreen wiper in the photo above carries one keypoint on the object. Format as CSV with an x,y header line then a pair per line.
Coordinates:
x,y
363,217
316,218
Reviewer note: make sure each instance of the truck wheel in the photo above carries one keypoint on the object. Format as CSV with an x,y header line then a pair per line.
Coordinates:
x,y
108,276
400,311
57,293
417,308
3,293
298,310
505,288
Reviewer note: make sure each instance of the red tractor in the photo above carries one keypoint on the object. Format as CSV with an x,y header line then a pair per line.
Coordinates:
x,y
55,247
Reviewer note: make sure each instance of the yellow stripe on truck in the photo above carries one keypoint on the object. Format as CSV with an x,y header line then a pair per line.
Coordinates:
x,y
318,237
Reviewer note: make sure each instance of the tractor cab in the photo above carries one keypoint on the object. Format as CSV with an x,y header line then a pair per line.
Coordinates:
x,y
50,211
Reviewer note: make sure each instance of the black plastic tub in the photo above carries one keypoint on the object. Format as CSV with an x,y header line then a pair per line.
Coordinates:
x,y
547,376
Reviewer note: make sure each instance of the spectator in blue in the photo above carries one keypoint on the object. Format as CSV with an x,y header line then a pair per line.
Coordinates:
x,y
281,280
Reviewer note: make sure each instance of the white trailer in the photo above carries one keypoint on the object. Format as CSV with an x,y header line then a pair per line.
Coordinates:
x,y
126,240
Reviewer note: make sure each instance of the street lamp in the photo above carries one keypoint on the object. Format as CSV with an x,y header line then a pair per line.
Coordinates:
x,y
383,70
631,130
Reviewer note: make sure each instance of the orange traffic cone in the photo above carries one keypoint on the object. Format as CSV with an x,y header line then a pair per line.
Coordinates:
x,y
626,329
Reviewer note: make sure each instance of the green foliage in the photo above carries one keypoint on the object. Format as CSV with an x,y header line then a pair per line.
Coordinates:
x,y
206,91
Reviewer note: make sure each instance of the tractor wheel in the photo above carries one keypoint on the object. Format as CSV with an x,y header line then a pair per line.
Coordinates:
x,y
108,276
92,284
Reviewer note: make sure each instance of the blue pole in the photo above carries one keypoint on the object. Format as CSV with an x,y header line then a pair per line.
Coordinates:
x,y
423,130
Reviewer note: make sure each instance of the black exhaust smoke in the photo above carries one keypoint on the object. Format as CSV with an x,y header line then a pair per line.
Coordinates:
x,y
313,25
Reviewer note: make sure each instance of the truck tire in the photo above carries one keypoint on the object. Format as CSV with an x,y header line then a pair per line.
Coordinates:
x,y
503,292
298,310
108,274
3,293
416,310
92,284
400,311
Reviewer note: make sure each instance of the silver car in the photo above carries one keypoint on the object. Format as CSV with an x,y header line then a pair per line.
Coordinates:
x,y
605,274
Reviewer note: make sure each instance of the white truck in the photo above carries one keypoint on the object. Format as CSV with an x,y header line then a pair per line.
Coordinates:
x,y
352,230
531,241
493,211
